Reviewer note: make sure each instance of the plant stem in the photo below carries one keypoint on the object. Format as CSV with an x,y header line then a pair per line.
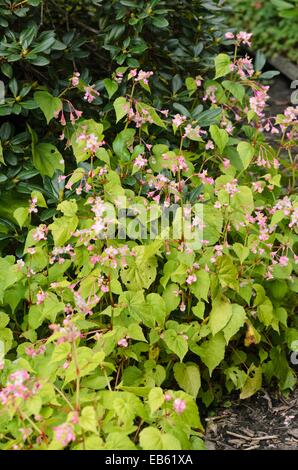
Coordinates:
x,y
75,358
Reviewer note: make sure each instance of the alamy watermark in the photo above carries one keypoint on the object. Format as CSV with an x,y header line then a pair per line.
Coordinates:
x,y
123,219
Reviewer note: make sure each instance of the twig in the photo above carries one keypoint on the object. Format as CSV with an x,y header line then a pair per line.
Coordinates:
x,y
248,432
252,447
267,397
88,28
263,438
240,436
215,418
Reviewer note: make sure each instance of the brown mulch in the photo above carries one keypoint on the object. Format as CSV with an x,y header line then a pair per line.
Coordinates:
x,y
261,422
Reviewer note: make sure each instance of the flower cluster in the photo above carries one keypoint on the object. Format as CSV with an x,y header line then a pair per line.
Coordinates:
x,y
19,386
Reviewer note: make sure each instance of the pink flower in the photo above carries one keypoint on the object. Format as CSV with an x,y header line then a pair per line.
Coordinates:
x,y
17,387
75,79
123,343
41,296
64,434
178,120
133,73
167,396
209,145
244,38
32,207
40,233
92,143
226,163
165,112
232,187
90,94
245,67
143,76
191,279
283,261
140,161
229,35
210,94
179,405
198,80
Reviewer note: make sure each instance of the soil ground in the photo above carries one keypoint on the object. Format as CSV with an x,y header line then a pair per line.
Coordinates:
x,y
262,422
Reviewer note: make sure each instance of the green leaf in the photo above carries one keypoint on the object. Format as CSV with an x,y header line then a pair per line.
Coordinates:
x,y
6,337
235,323
111,86
176,343
171,298
200,288
51,307
241,251
88,419
151,112
121,106
212,351
9,275
4,319
222,65
246,152
199,310
133,303
47,159
87,361
236,89
135,332
243,202
219,136
213,221
154,310
63,228
40,198
93,442
227,272
60,352
152,439
86,127
69,208
49,104
156,399
253,382
119,441
265,312
33,405
220,315
124,140
191,85
160,22
35,317
188,377
141,272
21,214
